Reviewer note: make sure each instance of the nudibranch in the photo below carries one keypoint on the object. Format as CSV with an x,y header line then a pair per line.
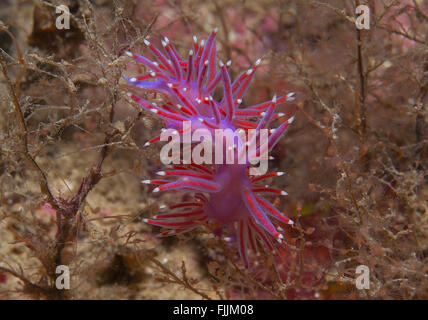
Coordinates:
x,y
225,193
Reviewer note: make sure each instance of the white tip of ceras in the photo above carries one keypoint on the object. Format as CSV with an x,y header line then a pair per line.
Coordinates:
x,y
129,94
206,62
272,131
274,99
161,173
152,74
215,30
290,96
202,42
146,42
221,64
145,181
284,193
271,158
290,120
227,239
162,207
169,85
145,220
133,79
195,39
128,53
166,40
154,110
191,53
229,63
281,114
280,173
163,43
250,71
156,189
147,144
258,62
291,222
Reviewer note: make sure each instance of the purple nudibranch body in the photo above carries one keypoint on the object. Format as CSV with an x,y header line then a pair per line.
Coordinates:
x,y
225,193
